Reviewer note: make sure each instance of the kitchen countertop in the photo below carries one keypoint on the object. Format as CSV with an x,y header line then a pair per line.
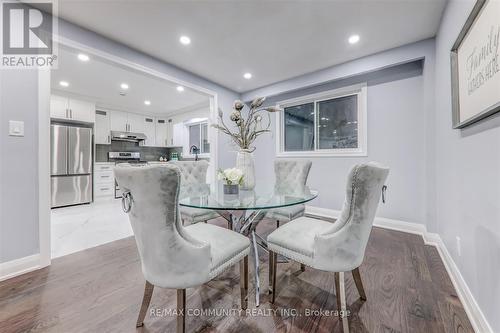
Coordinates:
x,y
153,162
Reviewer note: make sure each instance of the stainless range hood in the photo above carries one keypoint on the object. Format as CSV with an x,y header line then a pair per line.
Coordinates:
x,y
127,136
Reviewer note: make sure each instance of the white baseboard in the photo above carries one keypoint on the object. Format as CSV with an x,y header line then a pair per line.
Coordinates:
x,y
476,316
19,266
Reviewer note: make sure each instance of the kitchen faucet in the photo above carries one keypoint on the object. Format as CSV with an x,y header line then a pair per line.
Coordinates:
x,y
194,150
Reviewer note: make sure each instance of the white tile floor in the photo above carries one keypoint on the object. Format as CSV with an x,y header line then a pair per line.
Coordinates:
x,y
80,227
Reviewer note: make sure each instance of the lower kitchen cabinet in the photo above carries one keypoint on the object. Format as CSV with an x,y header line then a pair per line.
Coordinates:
x,y
104,181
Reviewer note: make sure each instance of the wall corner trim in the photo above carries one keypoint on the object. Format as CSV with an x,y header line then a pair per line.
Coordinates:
x,y
19,266
474,313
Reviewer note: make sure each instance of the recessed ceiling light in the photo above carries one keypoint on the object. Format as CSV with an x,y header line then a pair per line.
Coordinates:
x,y
185,40
124,86
83,57
353,39
64,83
247,76
147,102
180,88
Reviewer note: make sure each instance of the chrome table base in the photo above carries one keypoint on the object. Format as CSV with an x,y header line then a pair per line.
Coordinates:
x,y
246,226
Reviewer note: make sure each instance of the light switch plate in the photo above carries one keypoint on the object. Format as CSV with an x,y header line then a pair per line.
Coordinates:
x,y
16,128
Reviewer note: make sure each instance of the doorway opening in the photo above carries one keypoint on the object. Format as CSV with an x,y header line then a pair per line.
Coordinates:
x,y
104,111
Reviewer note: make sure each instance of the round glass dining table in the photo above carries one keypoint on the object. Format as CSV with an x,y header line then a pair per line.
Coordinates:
x,y
243,211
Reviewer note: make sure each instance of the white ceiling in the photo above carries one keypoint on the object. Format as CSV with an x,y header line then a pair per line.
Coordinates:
x,y
274,40
99,81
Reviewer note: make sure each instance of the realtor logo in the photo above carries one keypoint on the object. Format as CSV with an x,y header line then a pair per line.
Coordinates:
x,y
27,34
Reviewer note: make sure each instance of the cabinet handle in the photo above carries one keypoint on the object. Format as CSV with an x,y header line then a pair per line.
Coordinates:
x,y
104,188
109,139
104,176
104,168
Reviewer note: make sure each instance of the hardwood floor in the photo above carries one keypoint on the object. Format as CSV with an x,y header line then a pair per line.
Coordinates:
x,y
100,290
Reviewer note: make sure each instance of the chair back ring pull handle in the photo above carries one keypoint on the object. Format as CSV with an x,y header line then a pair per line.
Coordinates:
x,y
126,201
384,190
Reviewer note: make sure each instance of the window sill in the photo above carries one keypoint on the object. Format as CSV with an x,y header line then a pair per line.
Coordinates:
x,y
349,153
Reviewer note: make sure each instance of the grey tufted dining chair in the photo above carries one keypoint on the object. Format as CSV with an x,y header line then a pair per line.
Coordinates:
x,y
291,177
172,255
333,247
194,179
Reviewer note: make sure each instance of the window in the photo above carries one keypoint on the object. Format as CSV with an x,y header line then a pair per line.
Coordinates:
x,y
332,123
198,136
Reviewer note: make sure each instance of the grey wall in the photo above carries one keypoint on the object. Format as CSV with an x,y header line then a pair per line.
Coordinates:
x,y
468,180
395,138
18,165
423,50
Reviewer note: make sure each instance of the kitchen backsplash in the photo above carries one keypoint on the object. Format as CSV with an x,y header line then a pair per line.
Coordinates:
x,y
147,153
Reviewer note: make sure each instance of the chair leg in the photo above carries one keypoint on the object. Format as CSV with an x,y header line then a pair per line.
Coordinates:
x,y
359,283
146,299
277,224
273,263
181,309
244,282
270,288
302,267
339,291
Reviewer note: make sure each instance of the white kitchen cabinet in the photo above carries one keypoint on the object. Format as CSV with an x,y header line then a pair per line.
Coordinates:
x,y
170,133
104,181
161,132
136,123
71,109
118,121
149,131
81,110
127,122
102,128
59,107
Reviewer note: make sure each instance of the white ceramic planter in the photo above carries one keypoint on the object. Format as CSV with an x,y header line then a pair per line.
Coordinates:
x,y
244,162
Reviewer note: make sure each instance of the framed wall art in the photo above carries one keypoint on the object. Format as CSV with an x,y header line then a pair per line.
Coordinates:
x,y
475,66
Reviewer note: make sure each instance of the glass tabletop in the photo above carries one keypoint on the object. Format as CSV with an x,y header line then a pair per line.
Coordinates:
x,y
201,196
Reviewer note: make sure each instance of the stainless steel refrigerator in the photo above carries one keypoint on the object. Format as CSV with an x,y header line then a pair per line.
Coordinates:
x,y
71,165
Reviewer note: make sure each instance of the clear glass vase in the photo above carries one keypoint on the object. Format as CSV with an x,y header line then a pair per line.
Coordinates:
x,y
244,162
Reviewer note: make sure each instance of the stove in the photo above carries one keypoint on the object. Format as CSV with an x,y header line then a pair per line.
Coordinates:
x,y
124,157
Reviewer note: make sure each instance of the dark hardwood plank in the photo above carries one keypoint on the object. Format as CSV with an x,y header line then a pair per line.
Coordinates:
x,y
100,290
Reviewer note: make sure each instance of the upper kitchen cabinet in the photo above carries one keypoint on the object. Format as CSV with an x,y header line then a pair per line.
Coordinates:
x,y
136,123
59,107
119,121
102,127
161,132
127,122
149,131
170,133
71,109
